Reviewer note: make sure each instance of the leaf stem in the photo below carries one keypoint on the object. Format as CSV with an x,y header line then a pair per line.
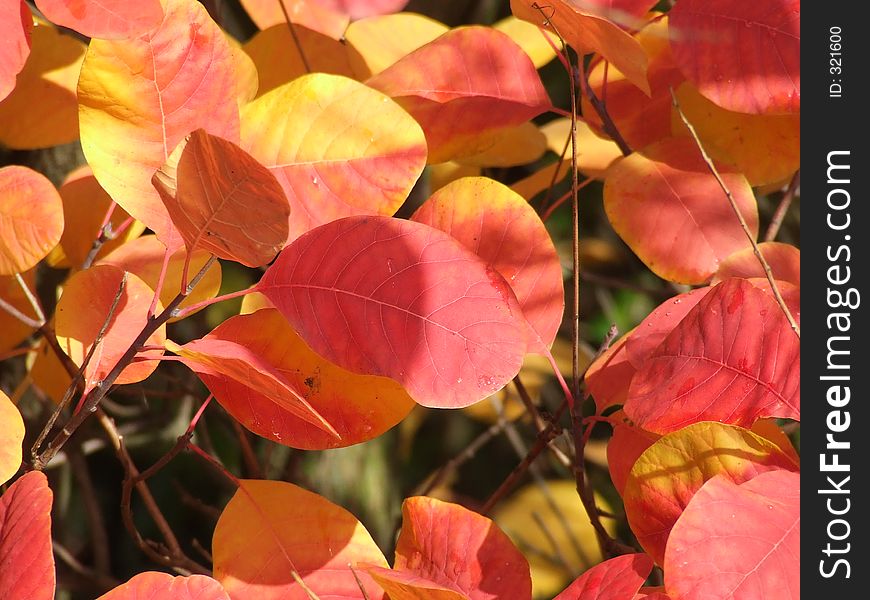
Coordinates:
x,y
183,312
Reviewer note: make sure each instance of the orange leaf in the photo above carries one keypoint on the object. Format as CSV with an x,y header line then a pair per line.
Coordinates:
x,y
152,584
277,59
669,472
464,85
609,377
587,32
784,261
13,331
595,154
531,38
271,530
667,206
765,148
107,19
460,550
337,147
500,227
81,313
401,585
16,24
138,98
85,205
31,218
143,257
222,363
308,13
42,111
11,438
510,147
222,200
380,41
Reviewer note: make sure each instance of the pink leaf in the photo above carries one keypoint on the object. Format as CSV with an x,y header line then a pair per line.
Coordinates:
x,y
26,559
155,585
741,54
738,541
616,579
732,359
382,296
106,19
15,27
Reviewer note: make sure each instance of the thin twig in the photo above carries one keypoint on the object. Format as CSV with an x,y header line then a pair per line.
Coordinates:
x,y
180,445
101,580
93,512
29,321
557,551
248,454
709,162
295,37
31,298
607,123
359,584
782,209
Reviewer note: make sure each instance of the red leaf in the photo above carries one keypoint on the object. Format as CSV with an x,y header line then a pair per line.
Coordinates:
x,y
464,85
26,559
652,593
502,228
666,476
738,541
732,359
616,579
671,211
382,296
460,550
741,54
222,200
16,23
152,584
609,377
784,261
625,446
106,19
359,407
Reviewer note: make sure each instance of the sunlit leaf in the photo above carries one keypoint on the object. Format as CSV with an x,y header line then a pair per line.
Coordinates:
x,y
222,200
31,218
447,172
337,147
358,9
16,23
13,331
107,19
401,585
382,296
669,472
784,261
481,562
502,228
668,207
463,86
42,110
308,13
82,310
734,359
531,38
152,584
271,530
25,539
379,41
511,147
609,377
759,520
624,447
144,256
616,579
138,98
11,438
743,55
588,32
594,154
765,148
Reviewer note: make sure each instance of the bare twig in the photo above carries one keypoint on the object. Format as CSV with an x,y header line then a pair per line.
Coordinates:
x,y
295,37
31,298
709,162
101,580
29,321
782,209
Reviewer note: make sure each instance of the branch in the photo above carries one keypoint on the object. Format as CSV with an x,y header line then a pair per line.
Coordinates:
x,y
782,209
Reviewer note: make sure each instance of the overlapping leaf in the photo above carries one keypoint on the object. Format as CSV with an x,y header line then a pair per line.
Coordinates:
x,y
671,211
152,584
16,23
502,228
383,296
12,330
107,19
379,41
609,377
669,472
742,55
138,98
784,261
460,550
359,407
25,539
538,43
734,359
594,154
759,520
463,86
11,438
41,111
616,579
308,13
587,31
222,200
510,147
82,311
358,9
271,530
765,148
337,147
401,585
31,218
144,258
624,447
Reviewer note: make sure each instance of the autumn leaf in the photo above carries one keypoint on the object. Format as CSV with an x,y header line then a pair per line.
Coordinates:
x,y
107,19
152,584
308,13
784,261
16,23
616,579
11,438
